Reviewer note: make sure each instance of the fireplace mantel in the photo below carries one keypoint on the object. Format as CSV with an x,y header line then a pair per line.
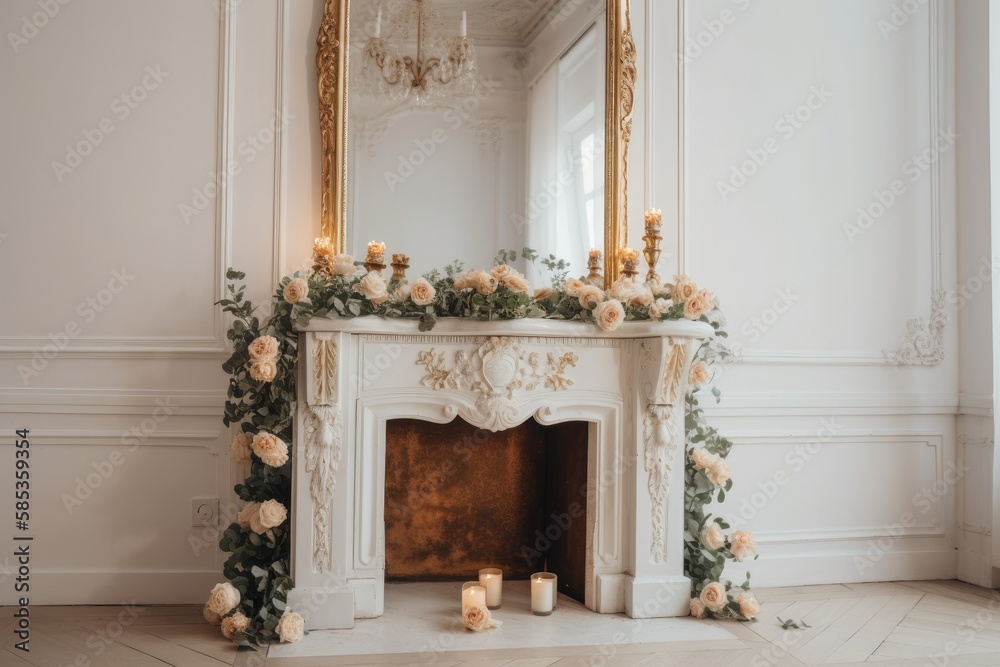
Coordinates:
x,y
356,374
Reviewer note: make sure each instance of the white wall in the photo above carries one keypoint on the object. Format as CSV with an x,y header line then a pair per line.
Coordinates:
x,y
896,429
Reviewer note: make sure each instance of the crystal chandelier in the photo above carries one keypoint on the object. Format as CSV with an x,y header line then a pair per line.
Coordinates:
x,y
442,67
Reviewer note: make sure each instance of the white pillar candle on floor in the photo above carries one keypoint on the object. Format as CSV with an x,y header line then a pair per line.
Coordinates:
x,y
378,23
473,595
464,26
542,589
491,578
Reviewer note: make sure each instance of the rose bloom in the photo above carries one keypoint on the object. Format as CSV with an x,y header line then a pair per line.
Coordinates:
x,y
503,272
291,627
372,286
484,283
624,289
264,348
684,289
703,459
343,265
699,373
210,616
270,514
718,473
712,537
246,515
741,544
422,292
590,296
516,283
609,315
698,608
270,449
642,297
543,294
573,286
714,596
295,291
697,306
223,599
401,293
749,607
477,618
263,371
659,289
239,450
234,625
659,308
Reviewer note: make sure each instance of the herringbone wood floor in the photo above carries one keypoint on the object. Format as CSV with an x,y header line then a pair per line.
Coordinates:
x,y
892,624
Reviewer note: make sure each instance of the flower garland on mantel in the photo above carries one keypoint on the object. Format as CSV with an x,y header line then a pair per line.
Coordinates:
x,y
251,607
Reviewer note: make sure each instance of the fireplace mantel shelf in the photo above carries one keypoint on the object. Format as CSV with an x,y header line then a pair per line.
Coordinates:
x,y
456,326
628,385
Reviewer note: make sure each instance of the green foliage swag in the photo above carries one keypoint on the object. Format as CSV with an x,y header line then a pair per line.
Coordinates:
x,y
258,565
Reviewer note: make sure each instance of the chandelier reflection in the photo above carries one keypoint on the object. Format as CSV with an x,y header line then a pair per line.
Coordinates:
x,y
442,67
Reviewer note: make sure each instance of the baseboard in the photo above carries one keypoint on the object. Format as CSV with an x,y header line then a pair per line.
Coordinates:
x,y
842,568
112,588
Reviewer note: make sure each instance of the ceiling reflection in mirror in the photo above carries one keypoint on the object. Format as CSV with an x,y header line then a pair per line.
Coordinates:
x,y
477,125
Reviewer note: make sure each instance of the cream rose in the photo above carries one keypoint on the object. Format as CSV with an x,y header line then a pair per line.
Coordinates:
x,y
703,459
270,514
624,289
401,293
590,296
749,607
659,308
659,289
543,294
477,618
210,616
343,265
516,283
684,289
264,348
718,474
742,545
263,371
296,290
573,286
246,515
239,450
714,596
291,627
698,608
642,297
699,304
223,599
234,625
609,315
484,283
270,449
422,292
372,286
698,374
712,537
503,272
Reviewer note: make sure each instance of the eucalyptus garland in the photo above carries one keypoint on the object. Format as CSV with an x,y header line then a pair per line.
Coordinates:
x,y
251,607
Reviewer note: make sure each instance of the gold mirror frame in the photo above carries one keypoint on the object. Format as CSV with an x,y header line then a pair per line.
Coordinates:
x,y
331,64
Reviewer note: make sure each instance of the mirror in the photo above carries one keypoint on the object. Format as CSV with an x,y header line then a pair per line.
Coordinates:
x,y
470,126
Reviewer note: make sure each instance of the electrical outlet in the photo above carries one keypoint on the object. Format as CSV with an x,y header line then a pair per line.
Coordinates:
x,y
204,511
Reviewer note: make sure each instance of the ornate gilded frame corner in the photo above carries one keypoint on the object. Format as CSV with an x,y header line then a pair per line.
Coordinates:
x,y
622,76
331,66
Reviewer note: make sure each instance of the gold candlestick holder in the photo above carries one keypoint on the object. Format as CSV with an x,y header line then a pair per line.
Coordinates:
x,y
630,263
594,263
323,257
400,263
375,261
653,240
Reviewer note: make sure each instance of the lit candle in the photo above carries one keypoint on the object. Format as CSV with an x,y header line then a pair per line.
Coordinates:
x,y
543,592
473,595
465,25
491,578
654,216
630,254
595,253
378,23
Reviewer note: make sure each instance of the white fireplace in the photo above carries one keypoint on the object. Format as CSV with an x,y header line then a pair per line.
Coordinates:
x,y
629,385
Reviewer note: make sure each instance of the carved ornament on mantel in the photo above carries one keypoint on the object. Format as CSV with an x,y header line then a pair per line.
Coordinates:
x,y
323,446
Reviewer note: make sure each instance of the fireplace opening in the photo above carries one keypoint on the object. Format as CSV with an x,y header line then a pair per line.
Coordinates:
x,y
459,498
